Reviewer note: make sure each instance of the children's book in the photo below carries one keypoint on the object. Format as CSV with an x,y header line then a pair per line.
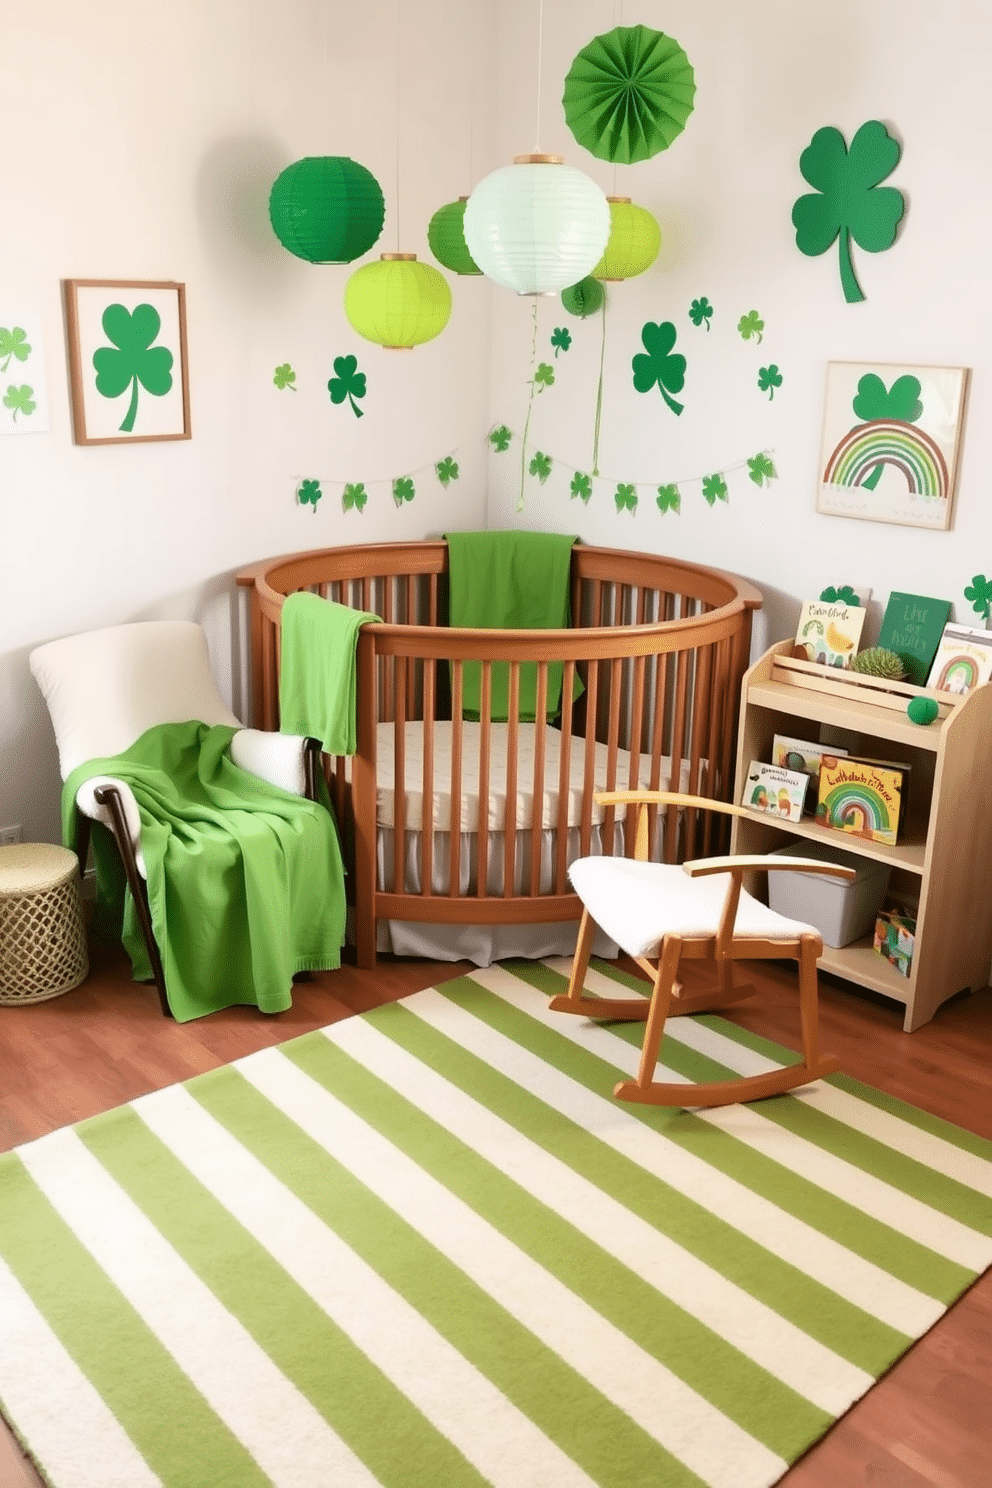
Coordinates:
x,y
911,627
862,796
779,792
804,755
963,659
828,633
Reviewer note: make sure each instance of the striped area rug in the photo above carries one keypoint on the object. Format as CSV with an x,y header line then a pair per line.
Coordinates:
x,y
426,1247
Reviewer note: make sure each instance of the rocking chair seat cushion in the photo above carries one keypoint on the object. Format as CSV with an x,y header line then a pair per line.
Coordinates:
x,y
638,903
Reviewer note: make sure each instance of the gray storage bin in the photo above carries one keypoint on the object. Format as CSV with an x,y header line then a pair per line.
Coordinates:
x,y
841,909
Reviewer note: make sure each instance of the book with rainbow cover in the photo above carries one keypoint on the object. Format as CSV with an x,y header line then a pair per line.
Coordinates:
x,y
963,659
864,797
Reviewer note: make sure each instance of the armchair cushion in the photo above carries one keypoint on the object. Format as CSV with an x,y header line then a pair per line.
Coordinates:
x,y
277,758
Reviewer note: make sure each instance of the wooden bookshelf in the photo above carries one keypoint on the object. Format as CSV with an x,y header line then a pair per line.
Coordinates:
x,y
943,858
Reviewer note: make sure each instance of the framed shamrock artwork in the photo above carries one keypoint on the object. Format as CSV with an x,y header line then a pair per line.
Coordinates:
x,y
891,442
128,374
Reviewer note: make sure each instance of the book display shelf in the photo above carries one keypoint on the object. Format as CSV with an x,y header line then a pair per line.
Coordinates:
x,y
943,857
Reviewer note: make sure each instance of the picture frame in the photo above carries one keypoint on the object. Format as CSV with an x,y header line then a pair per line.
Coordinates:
x,y
891,442
128,369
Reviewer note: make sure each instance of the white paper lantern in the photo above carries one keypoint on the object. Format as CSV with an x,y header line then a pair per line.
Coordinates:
x,y
537,226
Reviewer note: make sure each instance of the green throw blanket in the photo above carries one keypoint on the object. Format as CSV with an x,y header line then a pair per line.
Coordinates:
x,y
509,581
317,670
245,881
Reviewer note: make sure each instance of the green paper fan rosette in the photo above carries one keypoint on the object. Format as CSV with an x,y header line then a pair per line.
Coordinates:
x,y
628,94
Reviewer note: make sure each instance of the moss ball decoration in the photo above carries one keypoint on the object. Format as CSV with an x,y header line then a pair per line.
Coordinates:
x,y
922,710
583,298
878,661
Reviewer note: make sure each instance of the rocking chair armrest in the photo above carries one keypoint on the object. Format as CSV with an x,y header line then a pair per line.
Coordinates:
x,y
89,802
702,867
287,761
666,798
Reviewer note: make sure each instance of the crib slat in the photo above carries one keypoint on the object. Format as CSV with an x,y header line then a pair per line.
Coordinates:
x,y
564,777
589,768
612,745
363,796
399,776
485,742
427,838
537,807
455,833
510,804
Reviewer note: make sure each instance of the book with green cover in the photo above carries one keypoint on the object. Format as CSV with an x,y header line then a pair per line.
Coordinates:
x,y
912,627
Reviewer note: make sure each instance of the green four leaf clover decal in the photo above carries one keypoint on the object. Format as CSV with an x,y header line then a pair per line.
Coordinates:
x,y
769,378
19,399
132,359
354,496
561,339
403,490
979,591
347,382
750,325
581,486
309,493
500,438
446,470
700,312
760,469
625,497
848,201
714,488
284,377
668,499
540,466
660,366
13,344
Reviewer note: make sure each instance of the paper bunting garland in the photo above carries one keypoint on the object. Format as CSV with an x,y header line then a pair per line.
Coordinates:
x,y
403,488
628,94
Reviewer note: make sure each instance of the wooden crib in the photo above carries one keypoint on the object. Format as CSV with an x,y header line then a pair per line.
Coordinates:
x,y
449,824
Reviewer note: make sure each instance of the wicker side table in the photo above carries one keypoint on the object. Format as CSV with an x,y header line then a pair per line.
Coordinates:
x,y
42,937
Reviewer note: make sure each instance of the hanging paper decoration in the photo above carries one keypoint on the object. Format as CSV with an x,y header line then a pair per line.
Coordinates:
x,y
500,438
628,94
354,497
403,490
347,382
750,325
658,365
309,493
446,471
284,377
581,486
714,489
536,226
669,499
446,238
761,470
326,209
769,378
634,241
540,466
625,497
397,301
701,312
848,201
584,298
561,339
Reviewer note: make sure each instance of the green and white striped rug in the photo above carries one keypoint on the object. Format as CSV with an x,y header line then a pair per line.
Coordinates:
x,y
426,1247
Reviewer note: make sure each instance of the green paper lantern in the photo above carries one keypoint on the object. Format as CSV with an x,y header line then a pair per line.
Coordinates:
x,y
326,209
628,94
446,237
634,241
397,302
583,298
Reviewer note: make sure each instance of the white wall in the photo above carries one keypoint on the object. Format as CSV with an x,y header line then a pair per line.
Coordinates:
x,y
768,75
141,144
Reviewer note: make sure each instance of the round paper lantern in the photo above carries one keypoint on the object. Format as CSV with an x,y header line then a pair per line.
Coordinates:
x,y
326,209
446,237
536,226
635,239
397,301
583,298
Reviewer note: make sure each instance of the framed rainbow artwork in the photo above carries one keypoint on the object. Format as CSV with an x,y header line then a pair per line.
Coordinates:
x,y
891,442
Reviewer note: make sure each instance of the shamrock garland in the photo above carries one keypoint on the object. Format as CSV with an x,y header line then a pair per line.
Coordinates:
x,y
355,494
309,493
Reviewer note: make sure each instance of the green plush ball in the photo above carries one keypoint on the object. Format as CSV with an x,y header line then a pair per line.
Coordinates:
x,y
922,709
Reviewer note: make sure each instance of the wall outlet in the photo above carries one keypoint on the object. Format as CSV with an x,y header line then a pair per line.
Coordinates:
x,y
10,835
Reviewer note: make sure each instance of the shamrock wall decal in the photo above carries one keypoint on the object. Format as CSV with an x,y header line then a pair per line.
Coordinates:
x,y
13,343
769,378
561,339
132,359
660,366
760,469
714,488
284,377
581,486
446,470
309,493
403,490
500,438
540,466
20,400
354,497
700,312
979,591
669,498
347,382
544,376
844,595
848,201
625,497
750,325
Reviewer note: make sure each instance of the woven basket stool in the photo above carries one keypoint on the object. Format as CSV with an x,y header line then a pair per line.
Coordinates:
x,y
42,937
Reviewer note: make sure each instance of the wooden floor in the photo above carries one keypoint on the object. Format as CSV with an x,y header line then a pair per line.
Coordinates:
x,y
927,1424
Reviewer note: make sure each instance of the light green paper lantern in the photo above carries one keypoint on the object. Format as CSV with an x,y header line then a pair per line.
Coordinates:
x,y
397,302
446,237
634,242
326,209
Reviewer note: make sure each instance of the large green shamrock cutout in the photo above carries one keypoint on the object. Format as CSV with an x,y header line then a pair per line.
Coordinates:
x,y
660,366
750,325
714,488
848,201
625,497
979,591
540,466
760,469
844,595
132,360
769,378
20,400
403,490
13,344
669,499
500,438
544,376
347,382
581,486
446,470
284,377
561,339
872,402
354,496
309,493
700,312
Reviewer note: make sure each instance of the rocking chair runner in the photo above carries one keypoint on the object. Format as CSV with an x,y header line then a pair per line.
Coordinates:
x,y
662,915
